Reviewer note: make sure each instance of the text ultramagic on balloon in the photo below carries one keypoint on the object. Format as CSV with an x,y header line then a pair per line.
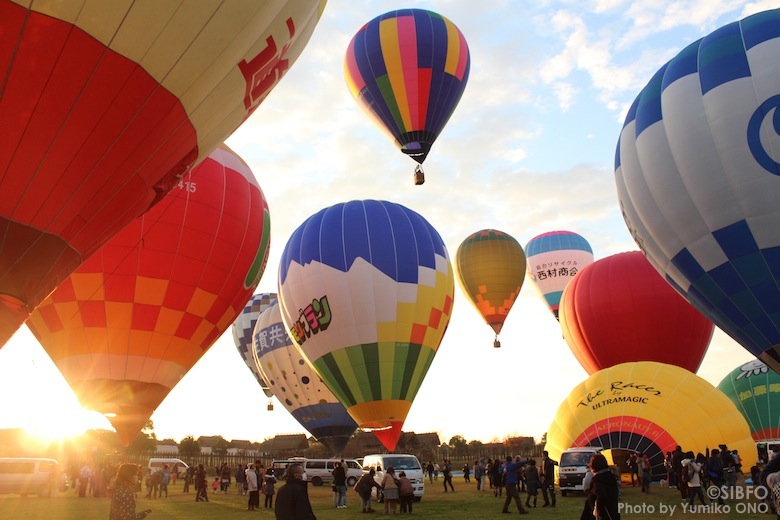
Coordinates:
x,y
697,169
106,108
649,408
366,289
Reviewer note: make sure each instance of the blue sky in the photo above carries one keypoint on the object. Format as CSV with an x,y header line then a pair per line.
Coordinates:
x,y
529,149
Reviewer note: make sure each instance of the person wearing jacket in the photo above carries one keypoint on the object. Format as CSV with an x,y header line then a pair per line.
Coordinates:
x,y
123,501
510,481
602,499
292,499
364,486
406,493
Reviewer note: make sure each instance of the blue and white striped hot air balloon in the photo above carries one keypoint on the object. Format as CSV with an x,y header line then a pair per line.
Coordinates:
x,y
552,260
697,170
242,334
293,381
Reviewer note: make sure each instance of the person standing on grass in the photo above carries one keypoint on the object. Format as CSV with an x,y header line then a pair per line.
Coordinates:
x,y
253,486
548,479
510,481
364,487
123,499
340,481
201,493
466,473
405,492
447,472
269,482
292,499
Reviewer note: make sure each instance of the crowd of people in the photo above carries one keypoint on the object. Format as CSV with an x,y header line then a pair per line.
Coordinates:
x,y
511,479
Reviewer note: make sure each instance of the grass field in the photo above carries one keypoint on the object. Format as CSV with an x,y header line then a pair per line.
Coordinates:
x,y
465,504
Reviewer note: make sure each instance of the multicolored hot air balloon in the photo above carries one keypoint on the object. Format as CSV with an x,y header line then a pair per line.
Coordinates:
x,y
297,386
649,408
242,334
755,391
553,259
407,69
491,270
366,291
106,105
697,170
129,323
618,310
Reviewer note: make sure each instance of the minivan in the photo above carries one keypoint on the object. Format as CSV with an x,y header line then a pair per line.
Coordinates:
x,y
31,476
319,471
400,462
571,469
157,463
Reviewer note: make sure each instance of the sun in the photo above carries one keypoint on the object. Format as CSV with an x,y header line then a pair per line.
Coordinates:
x,y
59,426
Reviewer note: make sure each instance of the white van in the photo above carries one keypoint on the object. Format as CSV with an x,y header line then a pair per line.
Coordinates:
x,y
320,471
406,463
32,476
572,466
157,463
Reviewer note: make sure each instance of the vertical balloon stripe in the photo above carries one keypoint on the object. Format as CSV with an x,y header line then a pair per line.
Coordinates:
x,y
355,81
722,57
463,56
328,368
453,61
391,53
409,66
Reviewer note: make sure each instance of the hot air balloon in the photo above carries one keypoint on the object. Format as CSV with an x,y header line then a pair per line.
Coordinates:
x,y
106,105
407,69
649,408
491,270
697,171
618,310
130,322
553,259
366,291
242,336
293,381
755,391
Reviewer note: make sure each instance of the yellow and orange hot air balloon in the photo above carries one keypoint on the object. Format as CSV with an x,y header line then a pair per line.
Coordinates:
x,y
129,323
105,105
490,267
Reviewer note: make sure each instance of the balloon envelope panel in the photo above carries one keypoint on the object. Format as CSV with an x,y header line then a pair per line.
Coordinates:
x,y
755,391
619,309
242,334
697,171
553,259
366,291
297,386
649,408
129,323
491,270
105,106
407,69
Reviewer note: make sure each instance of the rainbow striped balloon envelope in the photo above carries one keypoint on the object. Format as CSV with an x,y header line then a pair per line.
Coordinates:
x,y
366,292
553,259
407,69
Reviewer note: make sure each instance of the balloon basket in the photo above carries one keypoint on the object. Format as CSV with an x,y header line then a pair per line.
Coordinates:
x,y
496,343
270,406
419,175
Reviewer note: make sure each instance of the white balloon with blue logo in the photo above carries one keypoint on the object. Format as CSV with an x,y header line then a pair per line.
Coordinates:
x,y
697,169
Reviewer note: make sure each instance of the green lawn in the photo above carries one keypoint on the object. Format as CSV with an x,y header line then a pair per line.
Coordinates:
x,y
465,504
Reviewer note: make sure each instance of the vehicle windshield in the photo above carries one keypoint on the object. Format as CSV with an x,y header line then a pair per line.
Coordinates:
x,y
576,458
402,463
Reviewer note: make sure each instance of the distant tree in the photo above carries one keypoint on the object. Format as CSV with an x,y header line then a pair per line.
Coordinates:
x,y
143,443
476,444
458,441
220,446
189,447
